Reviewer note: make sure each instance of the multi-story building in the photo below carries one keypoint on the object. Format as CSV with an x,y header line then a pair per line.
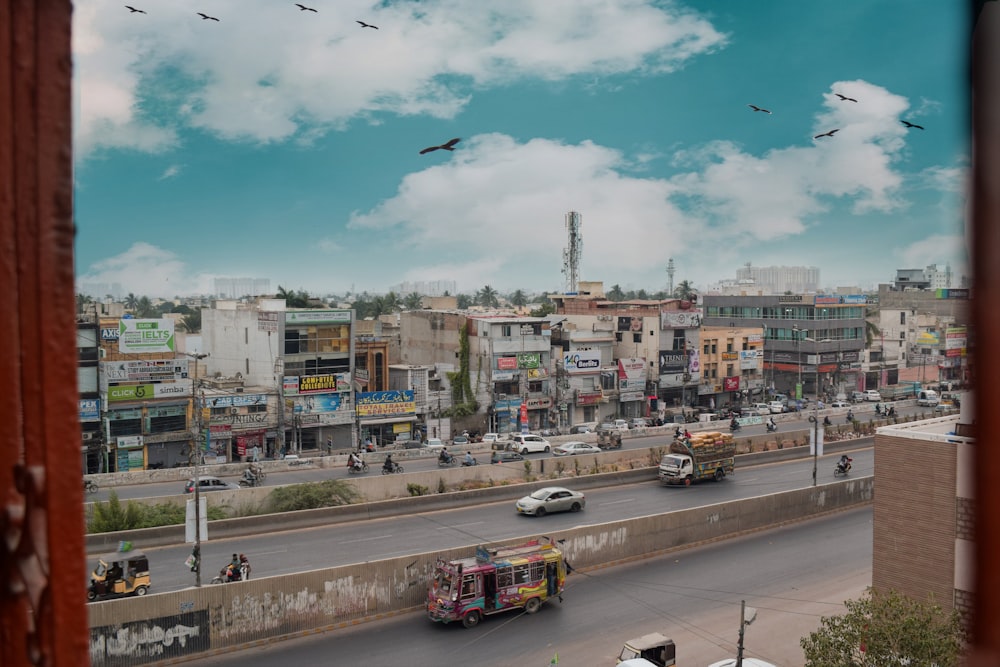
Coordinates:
x,y
812,343
732,366
934,518
762,280
88,385
585,369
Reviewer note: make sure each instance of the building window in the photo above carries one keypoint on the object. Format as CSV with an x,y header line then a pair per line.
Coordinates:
x,y
505,330
120,427
618,336
902,317
637,337
260,407
704,349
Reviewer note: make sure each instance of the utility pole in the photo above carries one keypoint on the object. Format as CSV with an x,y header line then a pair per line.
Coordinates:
x,y
744,621
196,453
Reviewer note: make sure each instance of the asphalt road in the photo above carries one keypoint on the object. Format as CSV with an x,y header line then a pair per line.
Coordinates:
x,y
278,553
793,576
312,473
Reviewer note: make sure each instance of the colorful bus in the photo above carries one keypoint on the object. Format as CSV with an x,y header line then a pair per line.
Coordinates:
x,y
495,580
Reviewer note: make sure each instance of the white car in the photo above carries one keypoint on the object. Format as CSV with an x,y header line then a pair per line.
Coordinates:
x,y
490,438
434,444
575,447
551,499
763,408
873,395
840,404
776,407
526,443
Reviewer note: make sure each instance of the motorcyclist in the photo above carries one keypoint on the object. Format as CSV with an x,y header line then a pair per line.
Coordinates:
x,y
250,475
353,461
771,425
444,456
845,463
468,459
244,567
677,433
850,415
826,421
389,464
233,569
878,408
734,425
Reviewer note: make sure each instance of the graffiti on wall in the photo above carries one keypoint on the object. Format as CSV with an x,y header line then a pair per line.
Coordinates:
x,y
150,640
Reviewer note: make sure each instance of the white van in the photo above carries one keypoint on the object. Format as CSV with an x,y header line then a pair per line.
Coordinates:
x,y
928,397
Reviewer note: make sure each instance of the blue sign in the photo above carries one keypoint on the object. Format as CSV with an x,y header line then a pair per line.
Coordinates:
x,y
318,403
90,410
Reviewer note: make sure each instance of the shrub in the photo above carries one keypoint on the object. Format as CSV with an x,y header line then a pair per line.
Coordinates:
x,y
312,495
111,516
417,489
442,487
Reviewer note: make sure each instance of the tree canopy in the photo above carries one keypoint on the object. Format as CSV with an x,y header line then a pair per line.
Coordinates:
x,y
886,629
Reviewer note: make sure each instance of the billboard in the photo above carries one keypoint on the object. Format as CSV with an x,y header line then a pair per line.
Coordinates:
x,y
630,323
386,403
90,410
680,319
144,392
152,370
673,361
317,316
582,361
138,336
310,384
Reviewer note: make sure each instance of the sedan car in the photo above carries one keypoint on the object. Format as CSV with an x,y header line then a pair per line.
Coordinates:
x,y
434,444
576,447
505,456
460,440
207,483
776,407
410,444
840,404
551,499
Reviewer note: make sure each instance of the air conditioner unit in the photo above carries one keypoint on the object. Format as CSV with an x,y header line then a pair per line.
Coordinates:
x,y
88,436
234,411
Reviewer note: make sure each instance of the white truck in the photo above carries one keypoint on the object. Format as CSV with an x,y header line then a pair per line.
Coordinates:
x,y
707,455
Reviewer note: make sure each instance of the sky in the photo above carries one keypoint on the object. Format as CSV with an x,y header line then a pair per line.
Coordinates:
x,y
284,144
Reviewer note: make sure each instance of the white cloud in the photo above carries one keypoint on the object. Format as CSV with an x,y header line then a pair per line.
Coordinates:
x,y
170,172
937,249
328,245
146,269
268,72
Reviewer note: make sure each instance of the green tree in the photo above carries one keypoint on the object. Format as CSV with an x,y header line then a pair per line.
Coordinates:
x,y
392,303
886,629
464,301
487,297
685,291
546,308
518,298
82,301
615,293
192,321
131,301
642,294
294,299
144,308
413,301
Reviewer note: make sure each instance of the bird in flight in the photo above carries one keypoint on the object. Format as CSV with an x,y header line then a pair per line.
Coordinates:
x,y
450,146
306,9
827,134
367,25
206,17
134,10
756,108
845,98
908,124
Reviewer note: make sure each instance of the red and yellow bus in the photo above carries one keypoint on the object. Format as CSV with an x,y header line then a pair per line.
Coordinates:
x,y
516,577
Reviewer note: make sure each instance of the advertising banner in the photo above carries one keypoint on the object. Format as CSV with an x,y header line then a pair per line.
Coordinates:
x,y
386,403
137,336
680,319
582,360
529,360
144,392
145,370
673,361
694,361
506,363
928,338
748,359
235,401
318,403
503,376
631,369
589,397
324,383
90,410
629,396
268,321
731,383
631,323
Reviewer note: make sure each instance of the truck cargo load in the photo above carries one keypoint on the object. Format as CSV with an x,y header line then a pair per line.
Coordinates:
x,y
706,455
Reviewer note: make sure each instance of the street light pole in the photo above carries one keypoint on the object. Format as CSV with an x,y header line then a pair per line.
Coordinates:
x,y
196,452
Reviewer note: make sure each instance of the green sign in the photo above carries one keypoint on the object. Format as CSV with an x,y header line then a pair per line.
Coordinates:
x,y
133,392
135,336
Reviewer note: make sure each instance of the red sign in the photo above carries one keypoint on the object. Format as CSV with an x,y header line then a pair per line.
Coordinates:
x,y
507,363
524,413
731,383
589,397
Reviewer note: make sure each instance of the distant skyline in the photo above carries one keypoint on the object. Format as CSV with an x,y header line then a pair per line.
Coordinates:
x,y
285,145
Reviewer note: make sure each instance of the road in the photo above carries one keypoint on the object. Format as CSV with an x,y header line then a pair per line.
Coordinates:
x,y
792,576
278,553
308,473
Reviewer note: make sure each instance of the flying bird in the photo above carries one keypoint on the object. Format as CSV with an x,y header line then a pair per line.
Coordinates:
x,y
756,108
450,146
367,25
845,98
827,134
909,124
306,9
134,10
206,17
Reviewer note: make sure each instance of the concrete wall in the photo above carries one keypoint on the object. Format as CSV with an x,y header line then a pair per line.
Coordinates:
x,y
197,620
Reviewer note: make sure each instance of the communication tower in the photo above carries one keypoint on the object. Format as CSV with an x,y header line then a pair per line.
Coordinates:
x,y
670,277
573,252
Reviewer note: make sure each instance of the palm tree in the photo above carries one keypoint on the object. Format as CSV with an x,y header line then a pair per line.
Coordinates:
x,y
685,291
145,308
518,298
615,293
131,301
487,297
463,301
192,321
392,303
294,299
413,301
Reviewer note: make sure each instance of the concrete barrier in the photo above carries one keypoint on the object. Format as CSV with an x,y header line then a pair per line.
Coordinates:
x,y
176,626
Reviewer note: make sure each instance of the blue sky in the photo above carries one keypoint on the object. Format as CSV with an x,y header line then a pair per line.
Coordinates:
x,y
283,144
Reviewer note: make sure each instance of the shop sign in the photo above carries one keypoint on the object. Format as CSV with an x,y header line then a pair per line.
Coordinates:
x,y
144,392
748,359
503,376
506,363
267,321
317,316
529,360
731,383
539,403
145,370
673,361
129,441
386,403
589,397
318,403
324,383
630,396
90,410
582,360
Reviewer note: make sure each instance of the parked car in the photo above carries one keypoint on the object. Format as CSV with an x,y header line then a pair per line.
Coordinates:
x,y
576,447
527,443
208,483
840,404
460,440
638,422
490,438
505,456
410,444
551,499
621,425
588,427
434,444
776,407
840,397
762,408
873,396
857,396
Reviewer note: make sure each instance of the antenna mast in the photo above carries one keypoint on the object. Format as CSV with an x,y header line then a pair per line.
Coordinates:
x,y
573,252
670,278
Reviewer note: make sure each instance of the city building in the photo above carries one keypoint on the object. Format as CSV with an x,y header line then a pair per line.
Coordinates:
x,y
732,367
238,288
88,384
813,343
933,518
764,280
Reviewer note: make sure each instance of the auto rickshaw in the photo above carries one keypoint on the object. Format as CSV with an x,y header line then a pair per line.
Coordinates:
x,y
119,574
609,438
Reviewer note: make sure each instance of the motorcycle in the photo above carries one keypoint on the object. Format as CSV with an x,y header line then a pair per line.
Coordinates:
x,y
447,463
242,574
842,468
850,417
359,468
396,468
258,470
734,427
89,486
474,462
771,427
249,481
